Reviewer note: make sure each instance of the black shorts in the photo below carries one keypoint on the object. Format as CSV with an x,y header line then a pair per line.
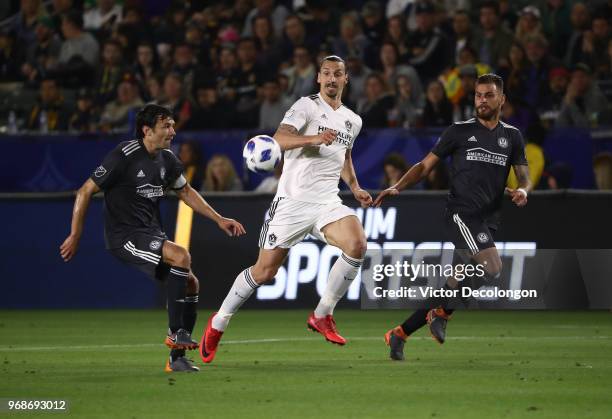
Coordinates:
x,y
469,232
144,252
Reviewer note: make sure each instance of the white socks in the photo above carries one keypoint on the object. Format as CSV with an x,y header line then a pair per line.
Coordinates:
x,y
243,287
340,278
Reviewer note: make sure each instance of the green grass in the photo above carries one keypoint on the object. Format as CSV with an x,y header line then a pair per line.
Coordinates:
x,y
495,364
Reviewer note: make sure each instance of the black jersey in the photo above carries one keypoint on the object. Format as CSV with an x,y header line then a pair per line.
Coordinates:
x,y
480,163
133,181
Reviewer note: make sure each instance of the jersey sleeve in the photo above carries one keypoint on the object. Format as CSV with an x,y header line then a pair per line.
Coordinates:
x,y
446,143
518,157
109,171
176,179
358,125
299,114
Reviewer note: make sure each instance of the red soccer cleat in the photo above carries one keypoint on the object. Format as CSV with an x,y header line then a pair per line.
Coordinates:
x,y
327,327
210,341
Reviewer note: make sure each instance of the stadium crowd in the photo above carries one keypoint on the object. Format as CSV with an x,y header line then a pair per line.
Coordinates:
x,y
87,65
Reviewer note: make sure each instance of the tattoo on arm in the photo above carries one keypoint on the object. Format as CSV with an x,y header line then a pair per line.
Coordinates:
x,y
522,175
287,129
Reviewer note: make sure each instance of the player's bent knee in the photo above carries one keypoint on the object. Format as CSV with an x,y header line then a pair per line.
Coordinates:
x,y
193,285
357,248
263,274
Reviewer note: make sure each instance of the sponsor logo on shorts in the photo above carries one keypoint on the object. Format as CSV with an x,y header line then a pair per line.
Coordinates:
x,y
155,245
482,237
503,142
272,239
100,171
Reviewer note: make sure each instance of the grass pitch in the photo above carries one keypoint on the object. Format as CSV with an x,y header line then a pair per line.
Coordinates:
x,y
494,364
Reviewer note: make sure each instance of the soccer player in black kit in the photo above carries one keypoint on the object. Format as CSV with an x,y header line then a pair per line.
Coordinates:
x,y
482,149
134,176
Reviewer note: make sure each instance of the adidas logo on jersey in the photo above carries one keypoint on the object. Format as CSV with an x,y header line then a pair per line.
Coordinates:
x,y
323,116
472,138
140,174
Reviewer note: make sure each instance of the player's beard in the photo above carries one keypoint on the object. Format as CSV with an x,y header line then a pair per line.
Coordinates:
x,y
332,91
489,114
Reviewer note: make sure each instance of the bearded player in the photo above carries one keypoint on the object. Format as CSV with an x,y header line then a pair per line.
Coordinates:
x,y
482,149
317,135
134,177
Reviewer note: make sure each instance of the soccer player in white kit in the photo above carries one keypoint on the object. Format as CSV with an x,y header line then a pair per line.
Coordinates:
x,y
317,135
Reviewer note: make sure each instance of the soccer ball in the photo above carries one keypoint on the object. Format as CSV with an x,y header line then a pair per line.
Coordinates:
x,y
261,153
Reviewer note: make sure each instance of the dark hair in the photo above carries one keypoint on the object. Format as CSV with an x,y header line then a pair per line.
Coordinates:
x,y
74,17
491,78
148,116
490,5
333,58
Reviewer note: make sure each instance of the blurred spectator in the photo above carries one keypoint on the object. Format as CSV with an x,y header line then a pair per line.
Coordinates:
x,y
396,33
23,24
117,114
358,72
268,50
104,16
451,79
273,106
602,166
515,114
50,112
465,106
190,155
584,104
463,34
438,110
85,117
209,112
42,54
110,73
437,179
146,64
185,66
580,22
557,24
558,79
529,24
535,75
9,58
270,183
394,166
221,175
373,22
391,70
302,74
249,77
294,36
277,14
227,73
79,53
407,111
515,74
378,103
495,41
535,160
428,45
605,75
153,90
351,40
175,100
596,43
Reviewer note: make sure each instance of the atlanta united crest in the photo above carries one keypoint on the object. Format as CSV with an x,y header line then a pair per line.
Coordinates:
x,y
162,172
154,245
483,237
503,142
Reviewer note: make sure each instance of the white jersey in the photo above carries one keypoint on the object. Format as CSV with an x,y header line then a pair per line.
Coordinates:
x,y
312,173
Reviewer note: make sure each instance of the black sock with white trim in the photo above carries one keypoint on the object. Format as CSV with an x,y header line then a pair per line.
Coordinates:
x,y
177,287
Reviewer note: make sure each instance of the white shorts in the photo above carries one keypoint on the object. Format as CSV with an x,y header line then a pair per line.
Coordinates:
x,y
288,221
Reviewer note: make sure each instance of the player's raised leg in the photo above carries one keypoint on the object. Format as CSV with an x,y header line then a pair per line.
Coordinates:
x,y
348,235
245,284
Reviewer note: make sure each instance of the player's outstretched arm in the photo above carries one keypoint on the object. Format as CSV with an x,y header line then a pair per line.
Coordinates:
x,y
413,176
192,198
519,195
81,204
350,178
288,138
